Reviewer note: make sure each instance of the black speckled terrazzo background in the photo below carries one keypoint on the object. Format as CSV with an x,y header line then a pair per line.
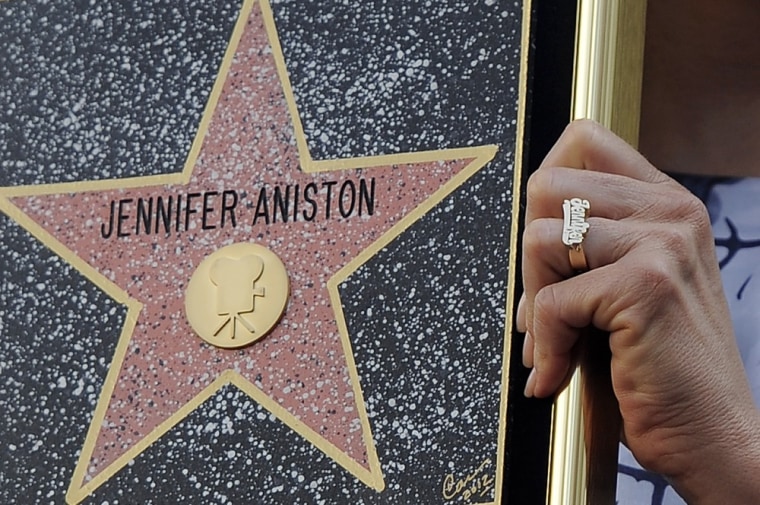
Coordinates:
x,y
426,316
58,337
381,76
104,89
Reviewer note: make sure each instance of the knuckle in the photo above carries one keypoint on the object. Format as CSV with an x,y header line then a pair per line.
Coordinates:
x,y
584,129
685,226
545,304
698,216
656,278
535,237
676,238
535,186
651,287
584,132
540,182
686,207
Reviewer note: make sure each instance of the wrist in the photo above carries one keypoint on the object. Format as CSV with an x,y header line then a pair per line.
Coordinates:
x,y
726,469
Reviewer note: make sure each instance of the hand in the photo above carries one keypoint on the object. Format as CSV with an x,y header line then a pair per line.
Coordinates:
x,y
655,287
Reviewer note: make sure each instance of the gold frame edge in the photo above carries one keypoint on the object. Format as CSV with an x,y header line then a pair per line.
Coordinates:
x,y
607,81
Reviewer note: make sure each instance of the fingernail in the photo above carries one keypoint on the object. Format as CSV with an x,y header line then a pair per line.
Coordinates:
x,y
527,351
530,385
520,322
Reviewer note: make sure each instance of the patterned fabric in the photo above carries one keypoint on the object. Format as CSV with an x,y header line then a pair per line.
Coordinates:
x,y
734,209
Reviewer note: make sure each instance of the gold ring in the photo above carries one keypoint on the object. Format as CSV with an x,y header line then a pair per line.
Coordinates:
x,y
575,212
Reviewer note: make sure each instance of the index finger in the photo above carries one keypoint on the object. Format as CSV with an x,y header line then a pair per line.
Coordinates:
x,y
586,144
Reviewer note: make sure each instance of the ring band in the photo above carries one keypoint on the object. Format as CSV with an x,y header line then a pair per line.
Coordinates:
x,y
578,258
575,212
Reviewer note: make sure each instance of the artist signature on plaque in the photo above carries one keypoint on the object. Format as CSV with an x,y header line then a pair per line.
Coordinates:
x,y
477,483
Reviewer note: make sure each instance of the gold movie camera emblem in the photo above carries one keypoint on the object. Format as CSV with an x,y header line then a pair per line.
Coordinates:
x,y
237,295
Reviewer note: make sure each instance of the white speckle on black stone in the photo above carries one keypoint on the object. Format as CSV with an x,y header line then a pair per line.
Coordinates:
x,y
58,333
94,90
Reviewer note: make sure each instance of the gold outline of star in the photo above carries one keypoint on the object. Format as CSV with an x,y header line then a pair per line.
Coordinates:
x,y
480,156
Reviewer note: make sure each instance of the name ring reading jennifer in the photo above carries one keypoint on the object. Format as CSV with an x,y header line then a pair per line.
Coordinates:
x,y
575,214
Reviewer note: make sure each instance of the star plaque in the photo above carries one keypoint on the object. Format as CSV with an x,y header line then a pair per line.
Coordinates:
x,y
241,273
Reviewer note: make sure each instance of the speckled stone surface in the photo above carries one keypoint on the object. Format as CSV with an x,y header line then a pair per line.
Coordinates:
x,y
426,315
58,336
93,83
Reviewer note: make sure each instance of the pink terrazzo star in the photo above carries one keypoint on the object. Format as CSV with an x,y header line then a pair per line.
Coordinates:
x,y
250,144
